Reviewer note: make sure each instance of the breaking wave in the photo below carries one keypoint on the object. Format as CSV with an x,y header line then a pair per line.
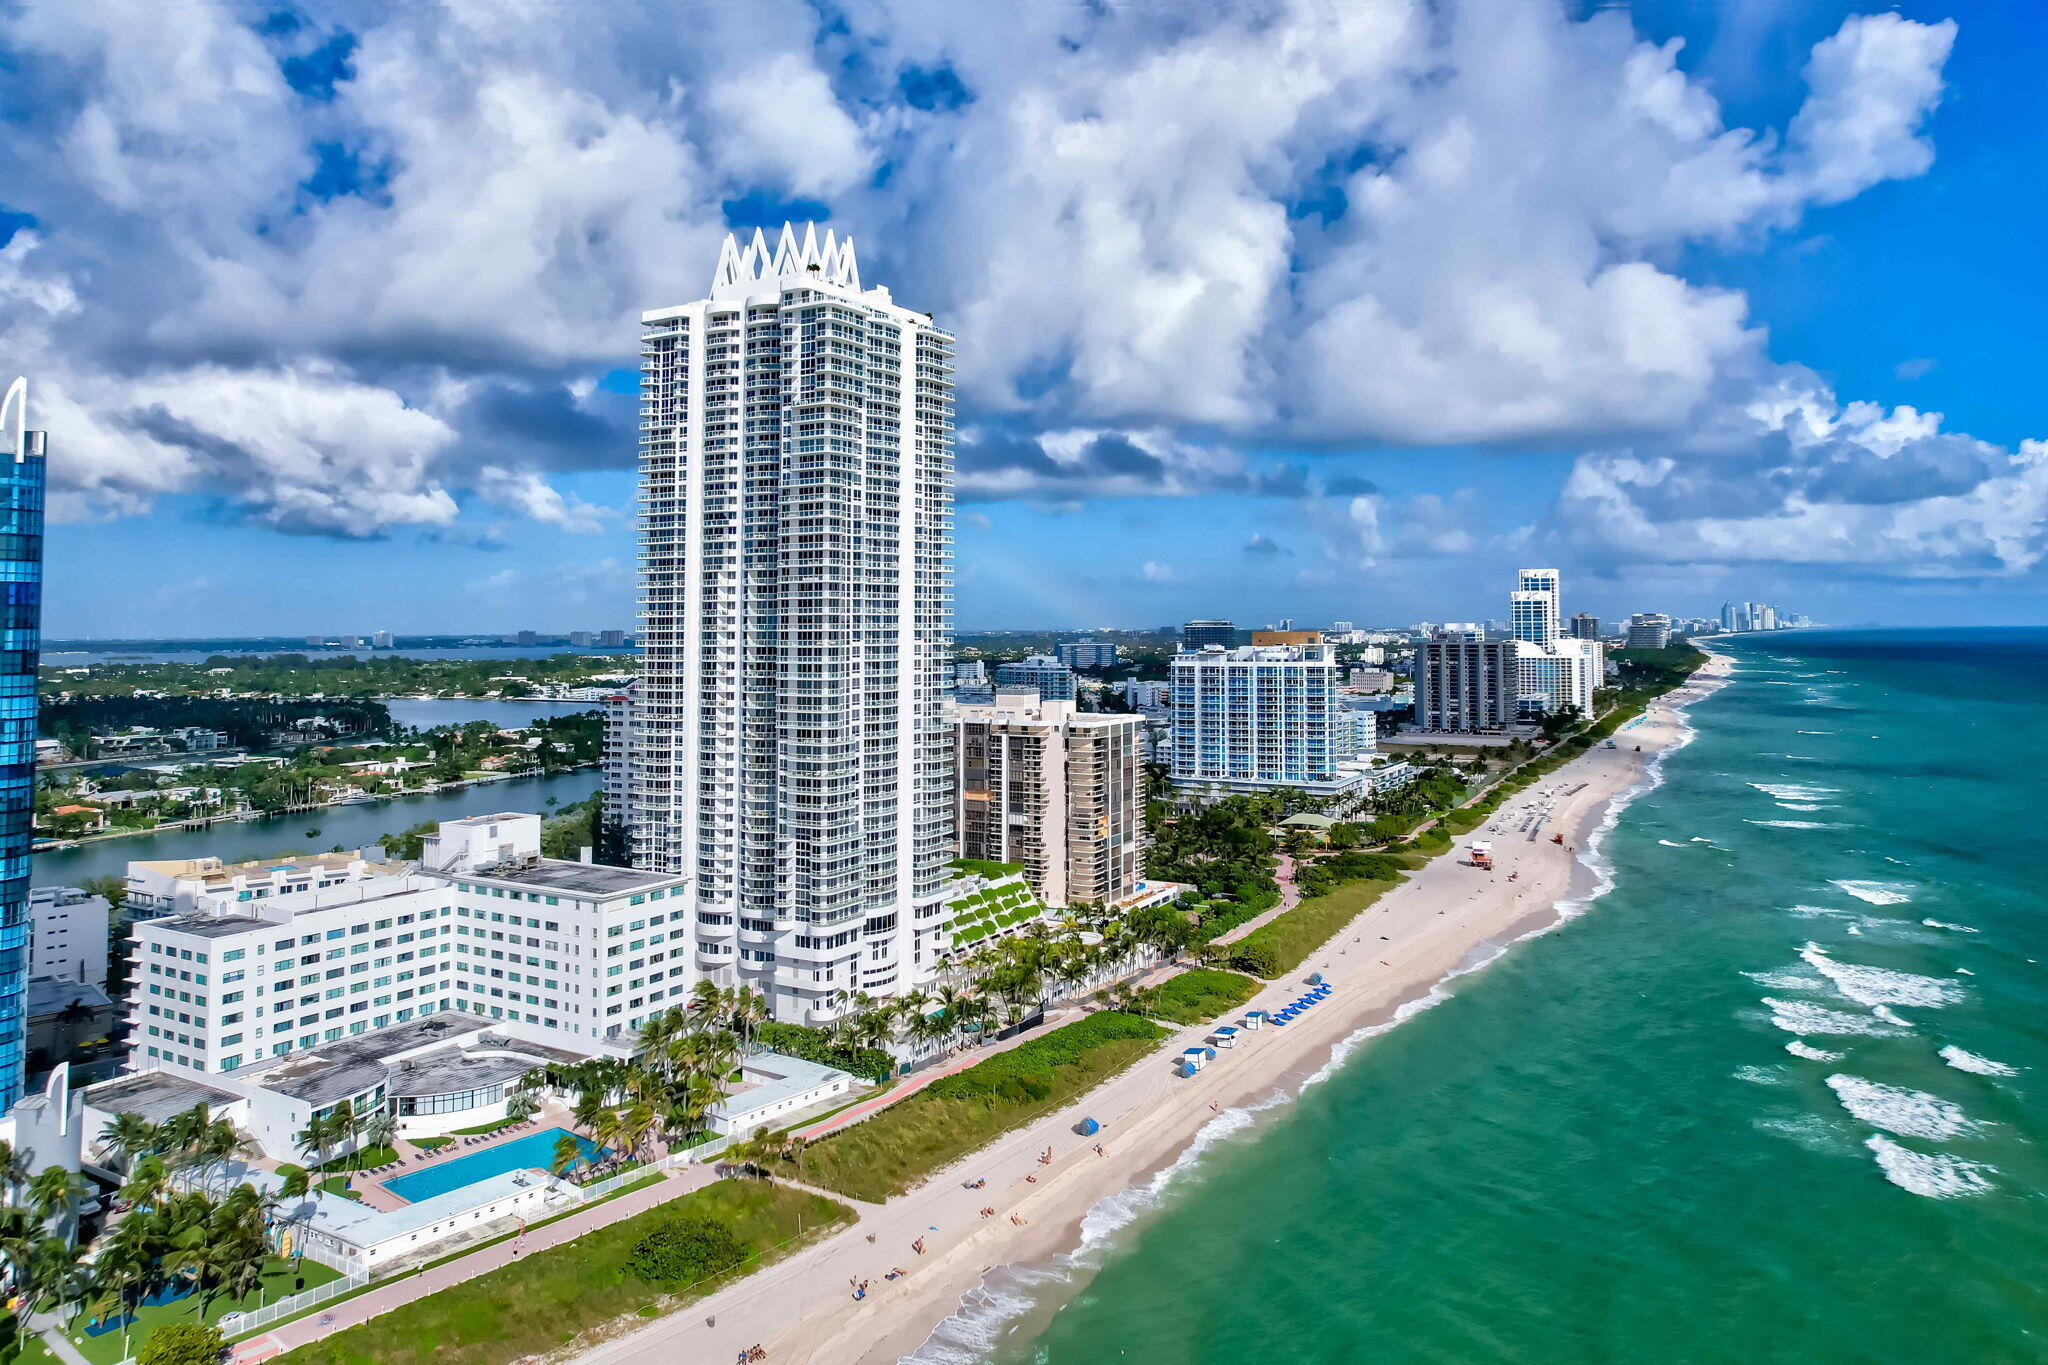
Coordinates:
x,y
1877,893
1881,985
1800,1048
1932,1176
1800,1016
1794,791
1909,1113
1975,1065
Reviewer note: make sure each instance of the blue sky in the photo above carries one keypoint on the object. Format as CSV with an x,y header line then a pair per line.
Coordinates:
x,y
1264,311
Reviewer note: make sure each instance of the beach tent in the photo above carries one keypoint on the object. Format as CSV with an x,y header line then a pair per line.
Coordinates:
x,y
1315,978
1089,1127
1188,1067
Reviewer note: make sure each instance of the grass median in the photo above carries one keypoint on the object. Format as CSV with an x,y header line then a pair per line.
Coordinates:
x,y
547,1300
1197,996
900,1146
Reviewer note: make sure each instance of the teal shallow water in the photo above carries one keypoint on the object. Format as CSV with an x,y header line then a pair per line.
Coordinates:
x,y
1777,1095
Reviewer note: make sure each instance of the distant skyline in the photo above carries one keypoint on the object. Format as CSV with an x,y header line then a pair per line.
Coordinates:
x,y
1693,301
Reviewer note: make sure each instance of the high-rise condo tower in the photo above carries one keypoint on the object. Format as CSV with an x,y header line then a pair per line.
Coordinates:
x,y
21,611
786,747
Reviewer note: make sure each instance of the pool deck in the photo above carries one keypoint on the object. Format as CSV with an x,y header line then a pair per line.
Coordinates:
x,y
370,1188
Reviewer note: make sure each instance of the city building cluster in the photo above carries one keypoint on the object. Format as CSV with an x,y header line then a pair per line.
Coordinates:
x,y
806,796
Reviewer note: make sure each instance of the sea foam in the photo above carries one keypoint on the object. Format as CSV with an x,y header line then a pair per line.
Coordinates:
x,y
1954,928
1877,893
1975,1065
1909,1113
1791,824
1931,1175
1787,981
1881,985
1798,1016
1800,1048
1794,791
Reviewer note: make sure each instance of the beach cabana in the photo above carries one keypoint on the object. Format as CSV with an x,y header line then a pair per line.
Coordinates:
x,y
1224,1037
1198,1057
1254,1019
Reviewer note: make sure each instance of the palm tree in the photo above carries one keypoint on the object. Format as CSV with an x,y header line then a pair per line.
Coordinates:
x,y
707,1000
219,1144
55,1274
127,1135
296,1184
18,1233
521,1107
347,1129
314,1140
57,1191
147,1181
749,1009
568,1151
14,1170
380,1129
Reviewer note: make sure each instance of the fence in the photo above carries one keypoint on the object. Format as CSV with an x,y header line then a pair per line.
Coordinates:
x,y
235,1324
685,1156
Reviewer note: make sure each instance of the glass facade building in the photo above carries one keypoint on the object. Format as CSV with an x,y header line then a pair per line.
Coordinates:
x,y
21,600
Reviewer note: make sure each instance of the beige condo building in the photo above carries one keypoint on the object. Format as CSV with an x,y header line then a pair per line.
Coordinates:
x,y
1058,790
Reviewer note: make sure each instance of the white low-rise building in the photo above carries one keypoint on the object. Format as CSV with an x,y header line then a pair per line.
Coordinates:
x,y
483,923
180,886
773,1089
67,937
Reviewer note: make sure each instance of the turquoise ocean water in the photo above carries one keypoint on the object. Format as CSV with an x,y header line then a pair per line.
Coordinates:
x,y
1777,1094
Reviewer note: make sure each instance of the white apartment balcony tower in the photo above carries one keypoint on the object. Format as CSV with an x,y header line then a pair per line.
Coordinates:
x,y
785,746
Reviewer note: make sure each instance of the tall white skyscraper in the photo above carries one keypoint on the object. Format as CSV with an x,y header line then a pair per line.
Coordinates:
x,y
1563,671
787,748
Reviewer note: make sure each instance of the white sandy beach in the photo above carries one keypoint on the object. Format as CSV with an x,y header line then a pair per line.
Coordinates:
x,y
1446,918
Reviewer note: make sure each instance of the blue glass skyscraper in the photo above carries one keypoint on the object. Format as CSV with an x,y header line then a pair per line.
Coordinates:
x,y
21,606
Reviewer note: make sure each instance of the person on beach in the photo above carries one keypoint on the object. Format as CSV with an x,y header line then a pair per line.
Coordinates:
x,y
918,1246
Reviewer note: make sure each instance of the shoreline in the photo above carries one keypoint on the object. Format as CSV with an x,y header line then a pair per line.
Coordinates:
x,y
983,1278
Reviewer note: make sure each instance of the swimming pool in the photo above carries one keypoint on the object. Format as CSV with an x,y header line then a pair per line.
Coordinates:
x,y
535,1150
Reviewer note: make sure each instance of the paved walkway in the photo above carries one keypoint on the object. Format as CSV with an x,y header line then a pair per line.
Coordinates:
x,y
360,1309
965,1058
1290,896
51,1329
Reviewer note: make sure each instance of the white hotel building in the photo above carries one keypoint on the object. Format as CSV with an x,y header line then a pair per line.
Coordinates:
x,y
571,954
785,747
1555,671
1260,718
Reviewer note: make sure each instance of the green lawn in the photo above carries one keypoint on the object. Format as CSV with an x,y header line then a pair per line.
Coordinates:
x,y
282,1278
1285,942
20,1347
545,1301
1197,996
900,1146
430,1144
